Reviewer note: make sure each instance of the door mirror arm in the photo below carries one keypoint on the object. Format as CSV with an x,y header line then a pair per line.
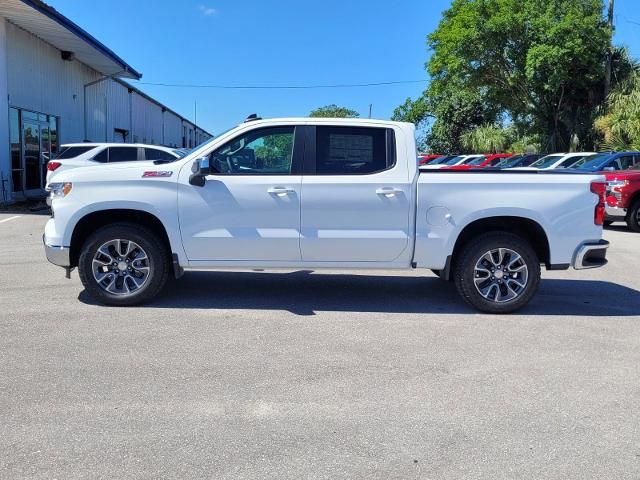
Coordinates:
x,y
200,169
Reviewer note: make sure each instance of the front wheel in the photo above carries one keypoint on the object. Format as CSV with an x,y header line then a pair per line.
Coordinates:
x,y
123,264
497,272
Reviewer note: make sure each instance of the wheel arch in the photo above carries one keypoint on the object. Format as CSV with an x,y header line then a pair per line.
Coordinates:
x,y
524,227
100,218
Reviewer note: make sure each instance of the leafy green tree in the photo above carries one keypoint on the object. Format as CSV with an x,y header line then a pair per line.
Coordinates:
x,y
537,63
334,111
619,123
487,139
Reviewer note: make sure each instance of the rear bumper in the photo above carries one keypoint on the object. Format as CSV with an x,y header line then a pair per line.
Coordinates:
x,y
57,255
591,255
611,213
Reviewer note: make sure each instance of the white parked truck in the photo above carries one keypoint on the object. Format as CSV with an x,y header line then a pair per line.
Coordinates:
x,y
321,193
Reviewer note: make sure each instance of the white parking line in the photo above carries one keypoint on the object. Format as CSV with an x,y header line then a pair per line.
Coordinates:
x,y
10,218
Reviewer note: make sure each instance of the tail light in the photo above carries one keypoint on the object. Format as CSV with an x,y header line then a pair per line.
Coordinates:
x,y
51,166
600,189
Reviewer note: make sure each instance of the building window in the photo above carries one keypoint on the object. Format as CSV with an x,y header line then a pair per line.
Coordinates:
x,y
16,163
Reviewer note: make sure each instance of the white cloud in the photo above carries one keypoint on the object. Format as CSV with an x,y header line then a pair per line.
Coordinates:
x,y
207,11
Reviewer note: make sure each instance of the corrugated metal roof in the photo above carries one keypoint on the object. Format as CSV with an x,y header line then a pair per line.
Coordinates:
x,y
48,24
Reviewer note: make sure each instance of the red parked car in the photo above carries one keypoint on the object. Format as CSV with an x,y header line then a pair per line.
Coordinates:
x,y
623,197
487,160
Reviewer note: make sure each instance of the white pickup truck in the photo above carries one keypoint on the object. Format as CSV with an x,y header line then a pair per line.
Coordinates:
x,y
321,193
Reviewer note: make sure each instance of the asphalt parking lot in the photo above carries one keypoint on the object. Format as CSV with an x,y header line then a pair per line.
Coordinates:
x,y
317,375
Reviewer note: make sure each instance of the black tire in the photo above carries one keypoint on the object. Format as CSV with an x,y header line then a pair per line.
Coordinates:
x,y
158,262
464,272
633,217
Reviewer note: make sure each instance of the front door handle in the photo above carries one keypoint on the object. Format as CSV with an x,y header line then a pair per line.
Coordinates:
x,y
280,191
388,191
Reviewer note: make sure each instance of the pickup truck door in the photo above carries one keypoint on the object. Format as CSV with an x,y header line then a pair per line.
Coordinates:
x,y
249,210
356,196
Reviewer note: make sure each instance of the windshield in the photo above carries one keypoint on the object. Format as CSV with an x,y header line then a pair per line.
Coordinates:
x,y
439,160
547,161
476,161
592,163
510,162
454,160
475,158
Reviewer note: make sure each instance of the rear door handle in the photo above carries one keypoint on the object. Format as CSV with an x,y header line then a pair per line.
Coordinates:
x,y
280,191
388,191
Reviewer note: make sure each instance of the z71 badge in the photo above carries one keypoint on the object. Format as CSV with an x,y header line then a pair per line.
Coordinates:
x,y
164,173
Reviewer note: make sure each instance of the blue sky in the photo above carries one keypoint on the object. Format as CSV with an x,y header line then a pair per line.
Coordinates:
x,y
278,42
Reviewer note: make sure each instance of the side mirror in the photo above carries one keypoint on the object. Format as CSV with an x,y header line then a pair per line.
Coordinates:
x,y
200,169
610,169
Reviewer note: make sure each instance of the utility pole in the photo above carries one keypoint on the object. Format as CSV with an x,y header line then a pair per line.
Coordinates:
x,y
370,108
607,68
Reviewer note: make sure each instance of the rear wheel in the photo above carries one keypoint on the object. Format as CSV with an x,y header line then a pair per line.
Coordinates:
x,y
497,272
123,264
633,217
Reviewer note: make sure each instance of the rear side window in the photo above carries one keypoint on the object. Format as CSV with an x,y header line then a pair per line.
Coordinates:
x,y
155,154
123,154
626,162
72,152
102,157
353,150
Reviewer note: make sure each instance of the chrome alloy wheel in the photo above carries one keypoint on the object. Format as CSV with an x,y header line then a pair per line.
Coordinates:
x,y
120,267
500,275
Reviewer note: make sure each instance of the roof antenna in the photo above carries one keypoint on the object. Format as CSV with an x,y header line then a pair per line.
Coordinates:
x,y
252,118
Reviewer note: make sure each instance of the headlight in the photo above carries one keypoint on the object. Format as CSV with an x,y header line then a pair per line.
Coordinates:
x,y
616,183
59,189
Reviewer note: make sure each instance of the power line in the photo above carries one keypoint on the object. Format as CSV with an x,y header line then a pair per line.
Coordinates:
x,y
281,87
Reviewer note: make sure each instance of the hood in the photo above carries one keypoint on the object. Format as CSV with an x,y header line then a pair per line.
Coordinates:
x,y
121,171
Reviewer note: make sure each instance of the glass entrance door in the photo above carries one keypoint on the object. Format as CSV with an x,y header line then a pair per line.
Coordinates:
x,y
36,151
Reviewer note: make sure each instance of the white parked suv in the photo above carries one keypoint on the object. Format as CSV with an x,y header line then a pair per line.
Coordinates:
x,y
73,155
313,193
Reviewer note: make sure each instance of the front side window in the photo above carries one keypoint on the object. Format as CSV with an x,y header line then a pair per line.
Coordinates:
x,y
266,151
123,154
351,150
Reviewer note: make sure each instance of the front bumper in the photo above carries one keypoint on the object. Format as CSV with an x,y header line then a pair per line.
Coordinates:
x,y
611,213
57,255
591,255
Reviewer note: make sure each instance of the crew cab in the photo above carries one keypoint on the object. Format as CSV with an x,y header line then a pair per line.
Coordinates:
x,y
74,155
313,193
623,198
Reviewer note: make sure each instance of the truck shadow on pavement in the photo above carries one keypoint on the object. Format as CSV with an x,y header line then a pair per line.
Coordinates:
x,y
305,292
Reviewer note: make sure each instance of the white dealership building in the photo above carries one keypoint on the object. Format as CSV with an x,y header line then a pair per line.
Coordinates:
x,y
58,84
